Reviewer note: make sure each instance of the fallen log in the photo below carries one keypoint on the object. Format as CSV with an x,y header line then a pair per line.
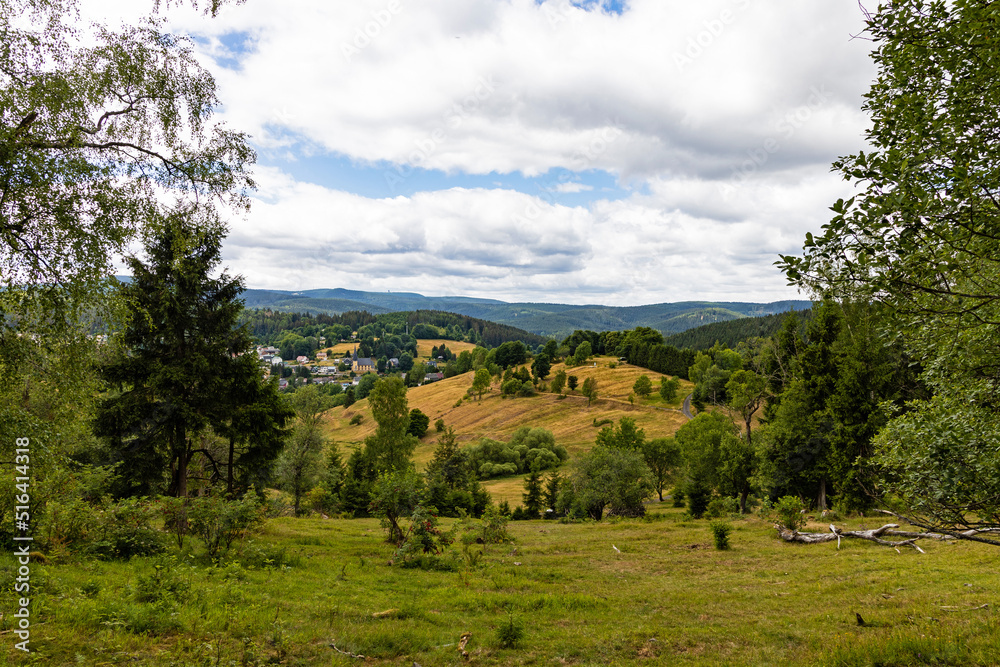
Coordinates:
x,y
872,535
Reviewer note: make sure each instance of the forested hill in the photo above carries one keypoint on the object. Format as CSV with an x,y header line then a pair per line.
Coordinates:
x,y
551,320
732,332
266,325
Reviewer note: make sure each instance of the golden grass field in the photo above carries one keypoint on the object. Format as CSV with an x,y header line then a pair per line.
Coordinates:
x,y
571,420
424,346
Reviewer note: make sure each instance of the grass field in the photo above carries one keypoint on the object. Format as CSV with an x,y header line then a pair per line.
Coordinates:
x,y
668,597
570,419
424,346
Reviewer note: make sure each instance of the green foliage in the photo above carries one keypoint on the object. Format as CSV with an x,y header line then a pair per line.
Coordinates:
x,y
418,423
491,458
589,389
357,419
624,436
365,386
396,494
698,496
541,366
510,633
391,446
918,237
720,534
942,460
706,443
173,376
511,387
533,494
663,456
423,542
605,478
643,386
583,352
102,123
721,507
668,389
789,511
571,382
558,382
439,425
732,332
481,382
494,522
220,522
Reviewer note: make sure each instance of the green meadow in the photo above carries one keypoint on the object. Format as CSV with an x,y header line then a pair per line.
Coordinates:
x,y
620,592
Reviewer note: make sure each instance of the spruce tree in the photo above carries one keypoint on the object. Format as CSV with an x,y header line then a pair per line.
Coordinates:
x,y
177,351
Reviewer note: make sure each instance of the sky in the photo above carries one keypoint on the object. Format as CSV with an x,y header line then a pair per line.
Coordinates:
x,y
619,152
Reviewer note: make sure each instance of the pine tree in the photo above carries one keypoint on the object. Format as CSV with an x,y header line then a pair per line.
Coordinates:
x,y
532,495
178,347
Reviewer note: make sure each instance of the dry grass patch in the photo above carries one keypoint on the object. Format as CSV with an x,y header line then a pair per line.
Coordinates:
x,y
456,346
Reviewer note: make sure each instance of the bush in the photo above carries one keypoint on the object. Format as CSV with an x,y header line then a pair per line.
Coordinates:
x,y
219,522
789,511
511,387
123,530
678,497
439,425
423,540
697,499
510,632
495,526
720,532
719,508
357,419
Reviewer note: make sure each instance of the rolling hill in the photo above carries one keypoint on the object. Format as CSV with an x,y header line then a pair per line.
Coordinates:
x,y
546,319
571,420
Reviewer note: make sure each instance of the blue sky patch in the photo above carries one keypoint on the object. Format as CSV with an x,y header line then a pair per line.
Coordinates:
x,y
556,186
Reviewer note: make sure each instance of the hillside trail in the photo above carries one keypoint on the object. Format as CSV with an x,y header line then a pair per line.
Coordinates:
x,y
686,407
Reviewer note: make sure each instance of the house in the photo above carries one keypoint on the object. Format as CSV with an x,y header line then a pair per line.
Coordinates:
x,y
321,356
433,377
394,362
361,365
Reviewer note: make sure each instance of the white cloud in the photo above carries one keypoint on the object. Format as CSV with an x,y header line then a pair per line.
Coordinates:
x,y
722,116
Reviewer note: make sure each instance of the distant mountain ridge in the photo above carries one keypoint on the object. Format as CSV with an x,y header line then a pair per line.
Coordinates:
x,y
546,319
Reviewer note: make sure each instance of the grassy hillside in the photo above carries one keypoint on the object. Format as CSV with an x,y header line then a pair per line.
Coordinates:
x,y
666,597
569,419
456,346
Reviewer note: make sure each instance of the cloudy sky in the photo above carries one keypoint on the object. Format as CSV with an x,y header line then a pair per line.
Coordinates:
x,y
620,152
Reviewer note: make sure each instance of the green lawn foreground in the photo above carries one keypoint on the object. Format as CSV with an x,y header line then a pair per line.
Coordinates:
x,y
668,597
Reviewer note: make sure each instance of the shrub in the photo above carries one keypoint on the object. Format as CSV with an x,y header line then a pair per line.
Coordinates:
x,y
495,525
161,584
789,511
722,507
219,522
439,425
697,499
357,419
510,632
511,387
423,538
678,497
720,532
123,530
